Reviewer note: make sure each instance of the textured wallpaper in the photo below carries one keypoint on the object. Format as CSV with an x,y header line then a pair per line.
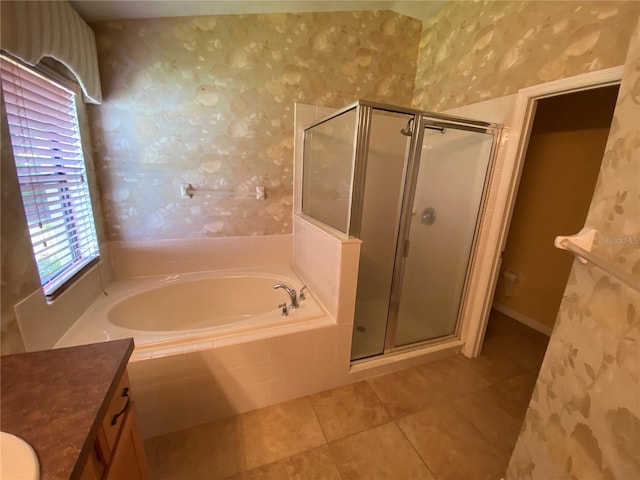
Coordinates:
x,y
583,421
209,101
475,51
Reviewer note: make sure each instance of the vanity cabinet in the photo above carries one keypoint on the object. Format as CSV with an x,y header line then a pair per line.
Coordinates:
x,y
93,469
75,407
128,459
117,452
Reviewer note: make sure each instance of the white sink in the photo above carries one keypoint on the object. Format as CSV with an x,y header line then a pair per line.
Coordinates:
x,y
18,461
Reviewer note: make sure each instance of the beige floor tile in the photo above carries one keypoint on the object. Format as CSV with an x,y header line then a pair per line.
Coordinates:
x,y
495,368
279,431
380,453
501,324
208,452
314,464
507,338
517,391
526,353
489,412
451,447
406,392
347,410
456,375
461,415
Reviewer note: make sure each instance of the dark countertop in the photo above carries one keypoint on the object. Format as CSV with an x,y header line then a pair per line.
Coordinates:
x,y
56,399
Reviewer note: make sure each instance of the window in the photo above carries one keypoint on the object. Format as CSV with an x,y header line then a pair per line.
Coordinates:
x,y
45,137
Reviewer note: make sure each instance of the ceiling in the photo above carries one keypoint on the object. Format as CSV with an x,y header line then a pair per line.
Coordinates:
x,y
94,11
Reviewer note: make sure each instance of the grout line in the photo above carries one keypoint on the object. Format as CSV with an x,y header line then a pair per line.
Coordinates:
x,y
285,459
380,400
478,430
416,450
315,413
333,460
244,444
362,431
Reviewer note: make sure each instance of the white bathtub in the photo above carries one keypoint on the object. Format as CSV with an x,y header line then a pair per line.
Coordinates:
x,y
181,313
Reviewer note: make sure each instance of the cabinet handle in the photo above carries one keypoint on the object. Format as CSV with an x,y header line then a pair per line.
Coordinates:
x,y
125,393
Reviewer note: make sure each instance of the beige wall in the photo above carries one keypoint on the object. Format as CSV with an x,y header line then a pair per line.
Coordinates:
x,y
474,51
560,172
584,418
209,100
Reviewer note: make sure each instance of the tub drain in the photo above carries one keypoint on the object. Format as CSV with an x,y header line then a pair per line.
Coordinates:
x,y
361,329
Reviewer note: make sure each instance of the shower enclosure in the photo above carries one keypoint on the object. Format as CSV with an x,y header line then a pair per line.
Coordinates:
x,y
411,185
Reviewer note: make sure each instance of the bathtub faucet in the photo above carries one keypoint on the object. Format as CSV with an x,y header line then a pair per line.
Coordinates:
x,y
292,294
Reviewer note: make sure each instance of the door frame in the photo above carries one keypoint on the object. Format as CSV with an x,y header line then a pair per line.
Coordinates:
x,y
502,198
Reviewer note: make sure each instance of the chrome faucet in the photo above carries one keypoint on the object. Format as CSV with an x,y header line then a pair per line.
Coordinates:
x,y
292,294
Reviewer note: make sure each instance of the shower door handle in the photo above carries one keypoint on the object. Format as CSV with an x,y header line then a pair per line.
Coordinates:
x,y
428,216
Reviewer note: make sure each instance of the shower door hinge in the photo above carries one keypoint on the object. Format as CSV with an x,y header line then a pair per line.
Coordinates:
x,y
405,252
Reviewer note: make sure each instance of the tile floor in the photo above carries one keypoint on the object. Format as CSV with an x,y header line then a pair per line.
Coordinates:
x,y
451,419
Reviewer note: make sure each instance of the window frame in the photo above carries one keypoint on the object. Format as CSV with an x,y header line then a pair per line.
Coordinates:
x,y
54,189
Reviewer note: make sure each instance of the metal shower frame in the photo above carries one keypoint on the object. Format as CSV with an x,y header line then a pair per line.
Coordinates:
x,y
421,120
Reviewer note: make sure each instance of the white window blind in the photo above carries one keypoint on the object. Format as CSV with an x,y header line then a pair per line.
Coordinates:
x,y
44,132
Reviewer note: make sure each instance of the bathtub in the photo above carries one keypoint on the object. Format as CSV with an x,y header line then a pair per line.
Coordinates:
x,y
181,313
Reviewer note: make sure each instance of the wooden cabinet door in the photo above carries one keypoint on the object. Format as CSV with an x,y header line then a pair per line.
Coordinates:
x,y
128,459
93,469
116,414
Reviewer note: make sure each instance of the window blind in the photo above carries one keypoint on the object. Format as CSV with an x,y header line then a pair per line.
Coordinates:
x,y
47,150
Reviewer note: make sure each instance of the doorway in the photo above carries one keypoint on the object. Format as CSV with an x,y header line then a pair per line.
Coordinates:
x,y
563,157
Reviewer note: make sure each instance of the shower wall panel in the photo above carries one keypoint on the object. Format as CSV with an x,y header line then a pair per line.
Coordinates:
x,y
384,178
329,151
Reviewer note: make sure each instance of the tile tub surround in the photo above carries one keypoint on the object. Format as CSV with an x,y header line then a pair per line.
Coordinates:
x,y
177,391
180,389
43,323
329,265
156,257
180,313
183,390
261,368
350,431
179,386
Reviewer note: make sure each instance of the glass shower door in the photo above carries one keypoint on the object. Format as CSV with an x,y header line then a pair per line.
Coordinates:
x,y
441,227
378,223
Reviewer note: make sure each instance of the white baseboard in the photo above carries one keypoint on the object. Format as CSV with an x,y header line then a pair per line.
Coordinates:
x,y
529,322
